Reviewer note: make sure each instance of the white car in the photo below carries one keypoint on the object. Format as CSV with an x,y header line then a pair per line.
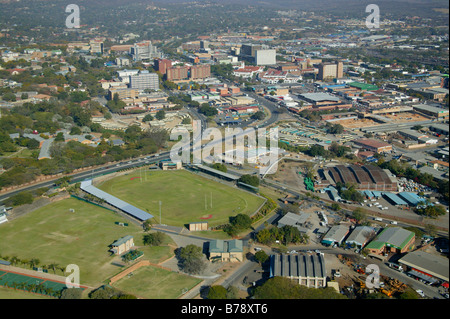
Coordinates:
x,y
420,292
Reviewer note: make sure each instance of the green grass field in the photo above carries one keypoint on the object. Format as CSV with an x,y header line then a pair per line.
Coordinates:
x,y
53,234
186,197
156,283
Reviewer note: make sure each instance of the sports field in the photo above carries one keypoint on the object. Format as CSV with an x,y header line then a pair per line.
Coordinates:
x,y
156,283
185,197
53,234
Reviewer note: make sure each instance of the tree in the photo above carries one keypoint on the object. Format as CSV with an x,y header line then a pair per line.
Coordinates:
x,y
360,215
160,115
207,110
10,97
217,292
147,118
21,198
71,293
285,288
241,221
191,259
220,167
261,257
147,225
264,236
252,180
59,137
258,116
154,239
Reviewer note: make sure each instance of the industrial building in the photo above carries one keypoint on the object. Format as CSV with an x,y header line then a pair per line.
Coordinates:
x,y
295,220
392,240
373,145
360,236
336,235
432,111
366,177
426,266
308,270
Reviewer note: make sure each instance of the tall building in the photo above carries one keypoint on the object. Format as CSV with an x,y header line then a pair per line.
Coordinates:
x,y
258,54
200,71
96,46
144,80
177,73
331,71
161,65
144,50
265,57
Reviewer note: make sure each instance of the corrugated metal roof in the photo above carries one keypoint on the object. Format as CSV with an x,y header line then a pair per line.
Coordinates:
x,y
114,201
395,199
431,264
392,236
297,265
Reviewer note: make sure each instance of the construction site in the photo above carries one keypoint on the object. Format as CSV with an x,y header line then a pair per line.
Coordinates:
x,y
352,278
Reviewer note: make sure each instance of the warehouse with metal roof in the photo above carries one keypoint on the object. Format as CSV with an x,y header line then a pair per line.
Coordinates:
x,y
394,199
114,201
335,235
392,240
308,270
360,236
411,198
426,266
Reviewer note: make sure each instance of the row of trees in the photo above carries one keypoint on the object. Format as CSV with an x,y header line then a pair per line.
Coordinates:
x,y
32,263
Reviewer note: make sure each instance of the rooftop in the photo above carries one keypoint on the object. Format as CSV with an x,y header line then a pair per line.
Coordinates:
x,y
392,236
436,266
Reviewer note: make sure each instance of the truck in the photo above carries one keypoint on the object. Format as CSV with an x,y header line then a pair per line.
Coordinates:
x,y
395,266
378,219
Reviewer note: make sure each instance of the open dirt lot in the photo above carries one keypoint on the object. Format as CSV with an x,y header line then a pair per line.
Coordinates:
x,y
405,117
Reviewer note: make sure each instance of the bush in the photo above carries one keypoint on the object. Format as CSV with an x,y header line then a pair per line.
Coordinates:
x,y
21,198
71,293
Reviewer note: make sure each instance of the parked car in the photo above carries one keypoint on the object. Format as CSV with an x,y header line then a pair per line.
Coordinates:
x,y
420,292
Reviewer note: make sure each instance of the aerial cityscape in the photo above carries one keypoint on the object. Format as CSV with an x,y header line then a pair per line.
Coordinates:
x,y
236,150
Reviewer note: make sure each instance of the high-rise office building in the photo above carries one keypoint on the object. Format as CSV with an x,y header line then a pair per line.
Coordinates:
x,y
265,57
144,80
144,50
258,54
96,46
331,71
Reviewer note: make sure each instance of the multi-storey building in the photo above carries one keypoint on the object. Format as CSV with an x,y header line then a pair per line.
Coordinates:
x,y
144,80
177,73
161,65
201,71
144,50
331,71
